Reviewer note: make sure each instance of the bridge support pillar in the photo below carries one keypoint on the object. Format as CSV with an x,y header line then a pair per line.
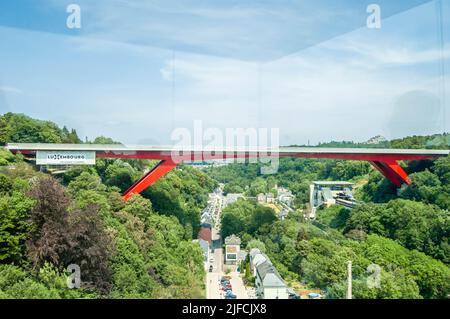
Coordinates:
x,y
393,171
161,169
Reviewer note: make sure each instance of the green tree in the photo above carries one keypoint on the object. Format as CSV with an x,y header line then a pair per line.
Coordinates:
x,y
14,226
255,243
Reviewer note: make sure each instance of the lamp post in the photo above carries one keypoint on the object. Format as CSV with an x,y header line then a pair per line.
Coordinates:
x,y
349,279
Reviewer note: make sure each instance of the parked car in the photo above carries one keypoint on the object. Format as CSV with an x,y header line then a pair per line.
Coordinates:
x,y
313,295
230,295
210,268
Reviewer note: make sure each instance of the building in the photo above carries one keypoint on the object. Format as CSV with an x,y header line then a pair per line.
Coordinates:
x,y
265,198
268,282
232,249
205,233
231,198
329,193
285,196
207,218
204,245
256,258
270,198
261,198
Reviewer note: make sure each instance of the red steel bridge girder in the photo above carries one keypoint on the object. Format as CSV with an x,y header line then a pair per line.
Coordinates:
x,y
389,168
393,172
161,169
384,160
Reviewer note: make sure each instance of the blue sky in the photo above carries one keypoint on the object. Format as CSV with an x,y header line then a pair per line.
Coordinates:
x,y
137,70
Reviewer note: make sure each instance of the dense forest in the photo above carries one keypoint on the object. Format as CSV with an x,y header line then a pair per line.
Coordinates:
x,y
139,249
406,233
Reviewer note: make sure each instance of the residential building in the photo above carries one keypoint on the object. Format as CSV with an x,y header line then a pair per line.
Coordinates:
x,y
268,282
256,258
231,198
261,198
204,245
265,198
232,249
205,233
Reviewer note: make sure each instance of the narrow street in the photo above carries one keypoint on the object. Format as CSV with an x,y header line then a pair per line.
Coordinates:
x,y
213,278
213,286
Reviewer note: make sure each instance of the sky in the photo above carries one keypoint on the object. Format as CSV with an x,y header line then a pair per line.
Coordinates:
x,y
138,70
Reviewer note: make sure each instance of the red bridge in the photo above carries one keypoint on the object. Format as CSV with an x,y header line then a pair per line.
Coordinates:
x,y
384,160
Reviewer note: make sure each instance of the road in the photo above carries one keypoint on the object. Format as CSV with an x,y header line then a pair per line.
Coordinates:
x,y
212,278
213,290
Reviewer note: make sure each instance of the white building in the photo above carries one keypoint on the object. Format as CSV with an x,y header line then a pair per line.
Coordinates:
x,y
204,245
285,196
327,193
231,198
256,258
265,198
261,198
270,198
232,249
268,282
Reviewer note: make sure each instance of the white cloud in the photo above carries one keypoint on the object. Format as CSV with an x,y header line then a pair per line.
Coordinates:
x,y
10,89
388,52
337,88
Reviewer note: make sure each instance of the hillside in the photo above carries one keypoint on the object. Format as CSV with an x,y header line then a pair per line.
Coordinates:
x,y
406,234
139,249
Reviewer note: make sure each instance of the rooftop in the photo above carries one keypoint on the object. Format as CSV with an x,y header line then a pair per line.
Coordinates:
x,y
254,252
258,258
232,240
269,275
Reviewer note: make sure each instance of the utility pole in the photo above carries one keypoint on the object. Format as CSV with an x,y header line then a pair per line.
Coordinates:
x,y
349,279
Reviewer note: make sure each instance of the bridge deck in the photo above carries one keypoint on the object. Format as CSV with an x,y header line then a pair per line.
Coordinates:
x,y
384,160
32,147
